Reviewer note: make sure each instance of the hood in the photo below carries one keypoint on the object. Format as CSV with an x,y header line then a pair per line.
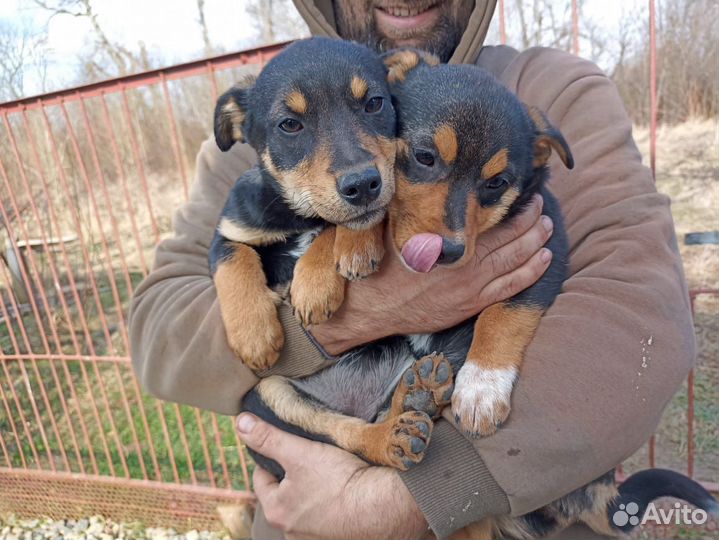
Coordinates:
x,y
320,18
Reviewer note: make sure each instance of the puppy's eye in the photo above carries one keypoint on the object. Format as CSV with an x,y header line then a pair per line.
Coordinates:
x,y
425,158
290,125
374,105
497,182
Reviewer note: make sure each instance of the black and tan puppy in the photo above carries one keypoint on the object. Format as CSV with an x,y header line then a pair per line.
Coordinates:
x,y
470,155
467,162
321,120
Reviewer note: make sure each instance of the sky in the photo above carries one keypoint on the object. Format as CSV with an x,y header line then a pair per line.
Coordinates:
x,y
169,29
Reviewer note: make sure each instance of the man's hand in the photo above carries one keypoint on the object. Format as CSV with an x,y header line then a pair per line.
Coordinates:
x,y
327,492
395,300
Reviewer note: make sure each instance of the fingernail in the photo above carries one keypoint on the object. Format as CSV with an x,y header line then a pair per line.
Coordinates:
x,y
245,423
545,256
547,223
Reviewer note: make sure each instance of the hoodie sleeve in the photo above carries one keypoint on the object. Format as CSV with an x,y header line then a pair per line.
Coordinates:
x,y
178,345
616,344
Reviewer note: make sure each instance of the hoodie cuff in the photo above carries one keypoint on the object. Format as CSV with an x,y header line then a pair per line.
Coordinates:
x,y
301,356
452,485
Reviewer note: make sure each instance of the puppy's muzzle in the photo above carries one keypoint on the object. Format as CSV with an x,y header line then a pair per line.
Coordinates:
x,y
360,188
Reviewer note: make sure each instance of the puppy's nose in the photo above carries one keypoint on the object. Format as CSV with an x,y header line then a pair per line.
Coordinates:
x,y
360,188
451,252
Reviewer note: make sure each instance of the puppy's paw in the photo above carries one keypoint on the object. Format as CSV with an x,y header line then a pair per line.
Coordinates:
x,y
254,332
357,254
316,294
407,437
481,398
427,385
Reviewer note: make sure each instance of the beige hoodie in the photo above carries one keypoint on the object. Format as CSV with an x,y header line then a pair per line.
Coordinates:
x,y
584,401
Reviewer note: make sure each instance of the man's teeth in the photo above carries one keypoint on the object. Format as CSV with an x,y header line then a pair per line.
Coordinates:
x,y
405,11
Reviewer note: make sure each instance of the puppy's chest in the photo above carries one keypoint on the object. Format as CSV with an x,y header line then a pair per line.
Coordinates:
x,y
278,260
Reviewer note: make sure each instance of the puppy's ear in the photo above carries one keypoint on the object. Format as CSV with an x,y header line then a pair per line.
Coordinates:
x,y
546,138
231,114
399,62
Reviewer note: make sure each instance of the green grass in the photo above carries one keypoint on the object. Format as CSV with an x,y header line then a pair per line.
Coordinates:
x,y
107,437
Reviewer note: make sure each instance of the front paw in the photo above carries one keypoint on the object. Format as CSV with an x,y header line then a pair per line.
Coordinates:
x,y
407,439
356,266
357,254
255,334
316,294
427,385
481,398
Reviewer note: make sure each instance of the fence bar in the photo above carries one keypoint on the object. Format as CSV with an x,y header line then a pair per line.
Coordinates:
x,y
21,453
213,80
502,24
103,239
258,55
220,450
123,182
113,220
138,163
175,139
205,449
27,281
185,446
96,296
653,88
575,27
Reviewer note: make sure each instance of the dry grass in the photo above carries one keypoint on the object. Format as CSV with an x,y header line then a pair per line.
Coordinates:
x,y
688,171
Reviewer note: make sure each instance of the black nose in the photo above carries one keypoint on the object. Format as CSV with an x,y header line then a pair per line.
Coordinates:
x,y
360,188
451,252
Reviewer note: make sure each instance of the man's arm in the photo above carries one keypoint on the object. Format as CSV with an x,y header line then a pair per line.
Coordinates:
x,y
179,349
611,351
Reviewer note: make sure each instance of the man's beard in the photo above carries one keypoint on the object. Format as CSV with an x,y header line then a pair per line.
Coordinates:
x,y
442,41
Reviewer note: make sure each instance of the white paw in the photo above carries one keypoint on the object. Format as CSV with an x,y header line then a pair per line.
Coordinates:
x,y
481,398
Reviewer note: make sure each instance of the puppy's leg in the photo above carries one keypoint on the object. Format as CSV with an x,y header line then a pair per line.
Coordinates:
x,y
317,290
483,387
357,253
249,308
426,386
397,442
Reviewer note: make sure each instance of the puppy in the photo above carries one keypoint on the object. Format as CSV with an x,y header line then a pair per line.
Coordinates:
x,y
470,156
321,120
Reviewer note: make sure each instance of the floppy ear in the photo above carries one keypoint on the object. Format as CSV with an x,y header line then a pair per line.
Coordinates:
x,y
546,138
231,113
399,62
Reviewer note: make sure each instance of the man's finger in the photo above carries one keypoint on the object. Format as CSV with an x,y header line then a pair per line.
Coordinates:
x,y
270,441
513,255
516,227
507,285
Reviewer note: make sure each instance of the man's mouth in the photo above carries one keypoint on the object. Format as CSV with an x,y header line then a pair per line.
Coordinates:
x,y
394,19
411,9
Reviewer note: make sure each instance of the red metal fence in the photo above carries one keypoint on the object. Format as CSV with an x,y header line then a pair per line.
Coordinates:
x,y
90,176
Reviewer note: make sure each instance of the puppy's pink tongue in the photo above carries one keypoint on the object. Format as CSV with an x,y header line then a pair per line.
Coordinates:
x,y
422,251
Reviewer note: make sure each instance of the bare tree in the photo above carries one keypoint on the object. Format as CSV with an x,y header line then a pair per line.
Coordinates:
x,y
109,58
276,20
209,49
22,54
